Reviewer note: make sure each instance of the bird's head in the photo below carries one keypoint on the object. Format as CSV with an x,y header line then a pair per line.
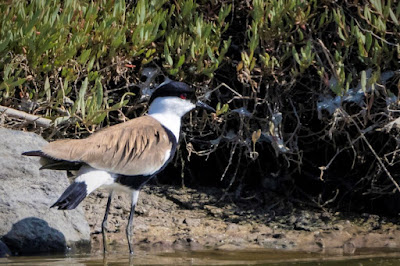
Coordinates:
x,y
175,97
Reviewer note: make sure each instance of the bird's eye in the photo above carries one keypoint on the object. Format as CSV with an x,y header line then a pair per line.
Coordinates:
x,y
183,96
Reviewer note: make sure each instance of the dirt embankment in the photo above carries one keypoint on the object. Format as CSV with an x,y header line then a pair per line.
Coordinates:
x,y
168,218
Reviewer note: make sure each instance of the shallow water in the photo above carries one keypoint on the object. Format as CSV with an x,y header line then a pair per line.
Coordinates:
x,y
220,257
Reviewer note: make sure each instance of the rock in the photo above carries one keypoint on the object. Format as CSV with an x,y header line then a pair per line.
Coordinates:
x,y
349,248
4,250
232,228
28,225
192,222
34,235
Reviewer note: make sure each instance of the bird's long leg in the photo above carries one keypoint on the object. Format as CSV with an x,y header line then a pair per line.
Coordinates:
x,y
129,228
104,223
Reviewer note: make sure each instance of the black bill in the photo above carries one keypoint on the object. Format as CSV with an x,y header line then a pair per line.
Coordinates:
x,y
202,105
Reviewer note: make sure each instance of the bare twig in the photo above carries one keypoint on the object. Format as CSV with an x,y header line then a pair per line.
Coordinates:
x,y
298,125
233,176
327,201
328,57
324,168
229,88
233,149
372,150
39,121
373,34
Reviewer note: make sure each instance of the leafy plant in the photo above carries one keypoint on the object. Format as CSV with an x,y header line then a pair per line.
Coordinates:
x,y
65,54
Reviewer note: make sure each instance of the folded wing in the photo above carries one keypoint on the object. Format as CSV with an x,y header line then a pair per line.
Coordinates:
x,y
137,147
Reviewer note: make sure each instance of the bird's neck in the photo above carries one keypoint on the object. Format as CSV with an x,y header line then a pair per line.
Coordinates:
x,y
169,111
170,121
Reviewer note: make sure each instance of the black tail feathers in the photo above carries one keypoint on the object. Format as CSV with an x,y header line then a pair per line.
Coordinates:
x,y
71,197
33,153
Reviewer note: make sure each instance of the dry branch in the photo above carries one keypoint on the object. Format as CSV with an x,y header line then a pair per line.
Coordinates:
x,y
361,132
39,121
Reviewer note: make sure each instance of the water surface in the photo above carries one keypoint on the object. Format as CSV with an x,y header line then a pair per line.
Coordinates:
x,y
364,257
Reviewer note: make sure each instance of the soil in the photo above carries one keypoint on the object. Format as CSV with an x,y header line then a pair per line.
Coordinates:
x,y
168,218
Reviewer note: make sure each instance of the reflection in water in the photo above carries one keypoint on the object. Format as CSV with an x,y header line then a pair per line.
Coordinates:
x,y
218,257
111,259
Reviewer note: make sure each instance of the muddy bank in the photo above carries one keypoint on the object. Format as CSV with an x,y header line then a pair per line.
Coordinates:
x,y
168,218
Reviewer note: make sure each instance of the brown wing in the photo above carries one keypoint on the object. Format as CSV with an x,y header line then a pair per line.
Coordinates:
x,y
136,147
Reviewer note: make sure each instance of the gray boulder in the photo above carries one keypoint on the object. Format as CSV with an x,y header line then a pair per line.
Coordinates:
x,y
27,224
4,250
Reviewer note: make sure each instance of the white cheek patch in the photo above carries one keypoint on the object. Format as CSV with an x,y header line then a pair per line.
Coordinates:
x,y
94,178
169,111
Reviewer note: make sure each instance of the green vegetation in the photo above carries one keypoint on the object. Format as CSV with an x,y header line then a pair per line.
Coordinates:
x,y
306,90
63,54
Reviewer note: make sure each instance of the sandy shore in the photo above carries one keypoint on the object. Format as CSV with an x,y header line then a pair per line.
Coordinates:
x,y
168,218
